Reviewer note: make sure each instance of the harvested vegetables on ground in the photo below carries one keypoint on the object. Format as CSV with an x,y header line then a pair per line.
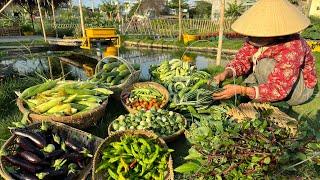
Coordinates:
x,y
134,157
161,122
64,98
112,73
144,98
45,153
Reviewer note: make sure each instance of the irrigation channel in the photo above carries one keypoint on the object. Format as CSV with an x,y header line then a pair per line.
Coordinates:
x,y
54,64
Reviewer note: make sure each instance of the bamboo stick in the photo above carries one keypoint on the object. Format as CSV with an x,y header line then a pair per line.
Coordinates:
x,y
218,60
180,21
42,24
6,5
81,19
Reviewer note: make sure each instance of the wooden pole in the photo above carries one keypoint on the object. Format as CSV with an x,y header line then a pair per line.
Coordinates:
x,y
54,17
180,22
5,6
212,10
218,60
81,19
42,24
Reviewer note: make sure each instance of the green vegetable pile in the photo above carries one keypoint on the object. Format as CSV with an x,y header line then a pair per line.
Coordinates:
x,y
187,88
134,158
112,73
64,98
252,149
161,122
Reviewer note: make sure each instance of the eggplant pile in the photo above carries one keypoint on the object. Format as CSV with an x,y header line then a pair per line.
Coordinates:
x,y
46,153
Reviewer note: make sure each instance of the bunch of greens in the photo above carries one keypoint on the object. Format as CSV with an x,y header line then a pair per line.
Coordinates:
x,y
224,148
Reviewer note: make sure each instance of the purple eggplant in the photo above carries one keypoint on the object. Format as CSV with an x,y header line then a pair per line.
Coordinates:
x,y
73,145
23,164
27,145
22,176
29,156
53,174
73,157
37,139
54,155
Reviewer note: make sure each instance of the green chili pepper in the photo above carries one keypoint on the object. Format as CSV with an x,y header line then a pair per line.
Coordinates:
x,y
124,164
102,166
155,155
144,142
135,155
112,174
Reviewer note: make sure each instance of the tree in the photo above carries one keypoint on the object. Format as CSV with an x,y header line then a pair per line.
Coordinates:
x,y
156,5
110,8
31,5
202,9
174,4
234,9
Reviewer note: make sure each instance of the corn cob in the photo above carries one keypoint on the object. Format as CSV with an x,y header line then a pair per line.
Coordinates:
x,y
37,89
46,106
58,108
70,98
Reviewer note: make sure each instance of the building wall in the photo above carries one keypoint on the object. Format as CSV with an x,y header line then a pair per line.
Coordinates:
x,y
315,8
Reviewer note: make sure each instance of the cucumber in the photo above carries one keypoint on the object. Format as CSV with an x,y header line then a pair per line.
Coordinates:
x,y
116,80
123,74
109,66
122,67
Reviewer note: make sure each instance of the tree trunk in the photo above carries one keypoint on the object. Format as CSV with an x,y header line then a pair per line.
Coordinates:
x,y
31,14
54,17
218,60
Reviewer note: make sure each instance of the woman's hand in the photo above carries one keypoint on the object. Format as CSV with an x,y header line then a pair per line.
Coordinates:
x,y
229,91
222,76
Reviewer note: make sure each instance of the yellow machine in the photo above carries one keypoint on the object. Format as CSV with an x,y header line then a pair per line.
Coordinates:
x,y
98,34
315,45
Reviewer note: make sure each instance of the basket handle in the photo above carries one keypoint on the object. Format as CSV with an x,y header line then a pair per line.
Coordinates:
x,y
115,57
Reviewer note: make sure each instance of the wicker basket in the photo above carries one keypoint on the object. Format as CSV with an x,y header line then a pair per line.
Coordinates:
x,y
154,85
81,121
92,142
170,138
117,89
116,137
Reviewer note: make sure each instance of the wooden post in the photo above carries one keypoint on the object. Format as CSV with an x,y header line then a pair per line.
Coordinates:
x,y
81,19
218,60
180,21
54,17
212,10
42,24
6,5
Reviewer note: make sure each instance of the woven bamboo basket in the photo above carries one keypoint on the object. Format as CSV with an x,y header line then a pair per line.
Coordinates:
x,y
116,137
91,142
169,138
117,89
81,121
154,85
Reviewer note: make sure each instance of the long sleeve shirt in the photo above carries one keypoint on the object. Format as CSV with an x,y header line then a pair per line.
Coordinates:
x,y
291,56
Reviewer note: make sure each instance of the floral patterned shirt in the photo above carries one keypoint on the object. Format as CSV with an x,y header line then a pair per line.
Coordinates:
x,y
291,56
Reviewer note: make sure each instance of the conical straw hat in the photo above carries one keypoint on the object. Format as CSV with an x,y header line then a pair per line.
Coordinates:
x,y
268,18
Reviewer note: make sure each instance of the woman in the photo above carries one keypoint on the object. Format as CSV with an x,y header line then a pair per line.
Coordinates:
x,y
278,63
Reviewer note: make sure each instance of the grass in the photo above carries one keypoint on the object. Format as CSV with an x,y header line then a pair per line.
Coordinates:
x,y
227,43
24,43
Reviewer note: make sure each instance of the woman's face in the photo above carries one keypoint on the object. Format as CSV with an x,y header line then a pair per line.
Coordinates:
x,y
261,41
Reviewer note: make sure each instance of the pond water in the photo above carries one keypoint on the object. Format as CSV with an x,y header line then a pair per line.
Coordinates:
x,y
51,65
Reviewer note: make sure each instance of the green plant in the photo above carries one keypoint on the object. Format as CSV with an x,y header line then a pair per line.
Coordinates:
x,y
234,9
27,28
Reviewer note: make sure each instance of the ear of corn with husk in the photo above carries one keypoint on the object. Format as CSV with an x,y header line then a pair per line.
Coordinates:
x,y
64,98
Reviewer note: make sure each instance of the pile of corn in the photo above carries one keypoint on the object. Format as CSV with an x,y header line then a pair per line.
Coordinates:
x,y
64,98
